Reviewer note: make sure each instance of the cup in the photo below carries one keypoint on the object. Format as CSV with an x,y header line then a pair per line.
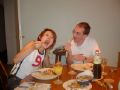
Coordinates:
x,y
119,85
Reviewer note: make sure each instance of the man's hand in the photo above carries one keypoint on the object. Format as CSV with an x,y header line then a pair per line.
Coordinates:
x,y
79,57
67,46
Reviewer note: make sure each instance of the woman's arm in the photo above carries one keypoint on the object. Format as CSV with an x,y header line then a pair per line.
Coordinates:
x,y
24,52
28,49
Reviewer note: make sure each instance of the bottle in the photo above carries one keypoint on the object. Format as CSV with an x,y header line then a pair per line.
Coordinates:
x,y
97,69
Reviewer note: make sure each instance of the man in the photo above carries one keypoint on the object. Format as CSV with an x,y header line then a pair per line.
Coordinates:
x,y
81,48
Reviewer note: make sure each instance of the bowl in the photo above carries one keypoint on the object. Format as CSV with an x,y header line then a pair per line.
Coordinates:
x,y
84,80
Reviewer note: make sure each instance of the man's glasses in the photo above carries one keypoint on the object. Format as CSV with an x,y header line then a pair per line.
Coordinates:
x,y
77,33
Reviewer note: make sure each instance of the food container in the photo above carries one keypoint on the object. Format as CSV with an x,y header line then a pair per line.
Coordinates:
x,y
85,77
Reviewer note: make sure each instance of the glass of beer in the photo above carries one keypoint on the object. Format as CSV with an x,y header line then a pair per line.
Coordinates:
x,y
58,71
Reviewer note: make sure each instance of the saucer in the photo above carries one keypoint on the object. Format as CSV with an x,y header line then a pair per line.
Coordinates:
x,y
97,79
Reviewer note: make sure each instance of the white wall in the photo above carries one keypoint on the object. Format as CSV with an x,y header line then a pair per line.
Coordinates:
x,y
63,15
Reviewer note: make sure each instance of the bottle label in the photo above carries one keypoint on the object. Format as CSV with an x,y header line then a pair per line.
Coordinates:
x,y
97,60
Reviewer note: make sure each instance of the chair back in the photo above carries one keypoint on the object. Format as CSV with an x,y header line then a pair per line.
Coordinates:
x,y
3,76
2,66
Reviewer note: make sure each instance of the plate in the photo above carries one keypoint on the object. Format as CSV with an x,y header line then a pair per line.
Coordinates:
x,y
82,67
97,79
66,85
44,74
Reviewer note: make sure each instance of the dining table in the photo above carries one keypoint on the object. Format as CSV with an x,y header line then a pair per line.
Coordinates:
x,y
112,73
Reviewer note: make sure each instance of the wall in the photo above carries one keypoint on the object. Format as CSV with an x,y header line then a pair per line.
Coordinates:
x,y
63,15
10,28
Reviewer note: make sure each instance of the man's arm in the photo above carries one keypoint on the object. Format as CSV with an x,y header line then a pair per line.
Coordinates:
x,y
69,58
78,57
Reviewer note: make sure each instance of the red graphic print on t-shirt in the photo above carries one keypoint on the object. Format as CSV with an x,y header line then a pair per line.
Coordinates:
x,y
38,61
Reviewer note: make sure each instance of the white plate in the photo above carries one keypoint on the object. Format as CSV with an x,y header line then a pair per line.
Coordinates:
x,y
67,83
82,67
40,75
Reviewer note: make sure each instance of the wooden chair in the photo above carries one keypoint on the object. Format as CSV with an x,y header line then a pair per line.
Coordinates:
x,y
1,82
3,76
59,54
3,69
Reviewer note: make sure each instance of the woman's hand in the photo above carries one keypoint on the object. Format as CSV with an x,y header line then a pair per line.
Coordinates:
x,y
40,44
37,44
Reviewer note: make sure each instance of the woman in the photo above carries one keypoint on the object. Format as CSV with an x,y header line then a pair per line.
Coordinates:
x,y
31,57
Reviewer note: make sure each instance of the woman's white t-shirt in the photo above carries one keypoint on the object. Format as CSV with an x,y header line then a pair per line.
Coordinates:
x,y
28,65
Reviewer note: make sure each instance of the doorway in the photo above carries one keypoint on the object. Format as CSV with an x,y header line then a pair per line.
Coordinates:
x,y
3,48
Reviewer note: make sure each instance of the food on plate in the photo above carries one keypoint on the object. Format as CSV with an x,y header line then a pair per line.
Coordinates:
x,y
77,85
45,74
82,67
48,72
74,85
84,79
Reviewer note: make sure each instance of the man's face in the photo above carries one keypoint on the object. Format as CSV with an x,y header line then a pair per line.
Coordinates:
x,y
78,35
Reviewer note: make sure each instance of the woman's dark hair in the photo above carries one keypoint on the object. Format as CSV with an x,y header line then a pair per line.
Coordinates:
x,y
43,32
86,26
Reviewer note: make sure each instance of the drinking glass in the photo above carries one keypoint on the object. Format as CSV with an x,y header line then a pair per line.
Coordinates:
x,y
71,72
104,64
58,70
119,85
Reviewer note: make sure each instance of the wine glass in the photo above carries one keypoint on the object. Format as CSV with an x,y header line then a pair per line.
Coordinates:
x,y
119,85
71,71
104,64
58,70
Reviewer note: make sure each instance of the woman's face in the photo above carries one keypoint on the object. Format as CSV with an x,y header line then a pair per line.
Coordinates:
x,y
47,39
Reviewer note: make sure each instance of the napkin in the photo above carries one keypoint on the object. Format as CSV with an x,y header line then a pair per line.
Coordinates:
x,y
41,86
33,86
